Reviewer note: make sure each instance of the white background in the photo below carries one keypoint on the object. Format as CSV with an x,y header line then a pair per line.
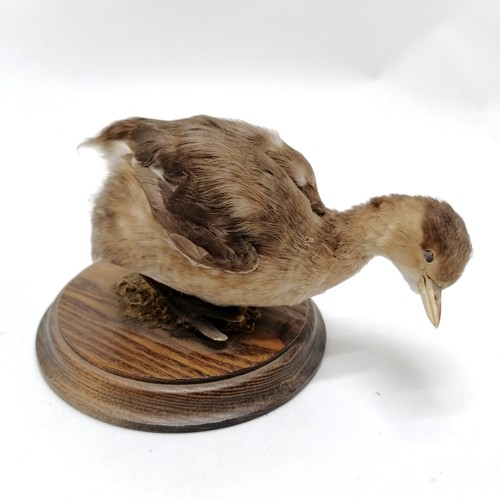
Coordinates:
x,y
381,96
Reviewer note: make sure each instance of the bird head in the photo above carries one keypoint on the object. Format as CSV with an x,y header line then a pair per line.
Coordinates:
x,y
428,242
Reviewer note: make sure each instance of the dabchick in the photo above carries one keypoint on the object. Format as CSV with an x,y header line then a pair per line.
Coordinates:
x,y
229,213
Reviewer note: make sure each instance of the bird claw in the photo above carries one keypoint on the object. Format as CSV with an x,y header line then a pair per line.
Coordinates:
x,y
207,329
198,314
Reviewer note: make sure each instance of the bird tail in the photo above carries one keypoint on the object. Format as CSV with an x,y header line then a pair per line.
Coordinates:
x,y
115,140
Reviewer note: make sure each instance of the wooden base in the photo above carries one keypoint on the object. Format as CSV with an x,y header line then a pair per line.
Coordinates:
x,y
169,380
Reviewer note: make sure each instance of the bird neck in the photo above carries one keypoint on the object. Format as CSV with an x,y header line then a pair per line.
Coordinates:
x,y
381,226
378,227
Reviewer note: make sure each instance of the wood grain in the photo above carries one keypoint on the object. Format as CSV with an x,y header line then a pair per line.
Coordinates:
x,y
167,379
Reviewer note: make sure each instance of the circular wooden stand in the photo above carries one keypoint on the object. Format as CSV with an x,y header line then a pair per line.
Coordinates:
x,y
169,380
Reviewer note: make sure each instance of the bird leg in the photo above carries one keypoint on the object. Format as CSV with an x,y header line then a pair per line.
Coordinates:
x,y
167,304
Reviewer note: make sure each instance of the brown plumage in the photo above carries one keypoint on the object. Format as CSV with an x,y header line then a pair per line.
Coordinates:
x,y
229,213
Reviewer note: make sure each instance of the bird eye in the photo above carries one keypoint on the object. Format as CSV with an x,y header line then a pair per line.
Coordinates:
x,y
429,256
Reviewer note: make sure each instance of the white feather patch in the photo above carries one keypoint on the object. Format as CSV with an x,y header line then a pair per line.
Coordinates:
x,y
116,149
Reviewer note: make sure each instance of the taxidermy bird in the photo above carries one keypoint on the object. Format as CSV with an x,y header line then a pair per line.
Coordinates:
x,y
227,212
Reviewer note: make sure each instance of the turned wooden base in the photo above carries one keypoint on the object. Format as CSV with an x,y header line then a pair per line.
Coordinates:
x,y
171,380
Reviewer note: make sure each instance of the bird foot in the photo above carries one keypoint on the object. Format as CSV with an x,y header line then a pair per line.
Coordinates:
x,y
148,301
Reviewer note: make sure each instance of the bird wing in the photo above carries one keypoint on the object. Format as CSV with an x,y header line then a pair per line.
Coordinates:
x,y
197,221
221,189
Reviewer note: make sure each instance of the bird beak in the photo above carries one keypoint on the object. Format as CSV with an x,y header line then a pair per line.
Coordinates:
x,y
431,297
